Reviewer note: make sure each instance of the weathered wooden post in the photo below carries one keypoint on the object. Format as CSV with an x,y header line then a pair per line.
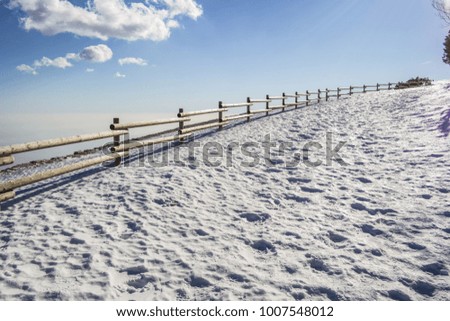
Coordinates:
x,y
220,115
378,87
181,124
267,104
296,99
389,86
116,142
326,94
350,90
364,89
318,95
307,98
283,101
249,112
338,93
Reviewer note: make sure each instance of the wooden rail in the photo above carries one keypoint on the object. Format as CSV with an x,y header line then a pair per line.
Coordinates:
x,y
148,123
185,129
9,186
28,147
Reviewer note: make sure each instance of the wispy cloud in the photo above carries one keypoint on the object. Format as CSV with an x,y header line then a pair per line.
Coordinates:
x,y
98,54
105,19
27,69
132,61
89,70
119,75
60,62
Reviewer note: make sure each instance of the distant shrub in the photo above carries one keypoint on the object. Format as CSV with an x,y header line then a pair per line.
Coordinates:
x,y
414,82
446,57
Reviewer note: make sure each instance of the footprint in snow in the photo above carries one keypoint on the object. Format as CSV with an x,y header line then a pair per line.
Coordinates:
x,y
295,180
198,282
296,198
201,232
76,241
364,180
141,282
237,277
311,190
435,268
255,217
369,229
398,295
415,246
421,287
336,238
135,270
263,246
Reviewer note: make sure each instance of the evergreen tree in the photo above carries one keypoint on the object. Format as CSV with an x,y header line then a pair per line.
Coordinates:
x,y
446,57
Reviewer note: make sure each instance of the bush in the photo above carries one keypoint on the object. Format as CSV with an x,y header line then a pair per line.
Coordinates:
x,y
414,82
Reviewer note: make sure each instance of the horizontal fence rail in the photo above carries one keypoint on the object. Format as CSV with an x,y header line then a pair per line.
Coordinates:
x,y
28,147
186,128
11,185
201,112
238,105
148,123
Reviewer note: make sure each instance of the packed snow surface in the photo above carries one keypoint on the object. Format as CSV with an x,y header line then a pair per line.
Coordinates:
x,y
377,228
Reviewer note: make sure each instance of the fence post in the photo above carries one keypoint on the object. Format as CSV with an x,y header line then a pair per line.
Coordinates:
x,y
364,89
249,112
220,115
267,105
318,96
296,99
307,98
389,86
378,87
181,124
338,93
283,101
116,142
351,90
326,94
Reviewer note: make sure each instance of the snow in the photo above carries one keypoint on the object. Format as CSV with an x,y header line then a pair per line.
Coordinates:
x,y
377,228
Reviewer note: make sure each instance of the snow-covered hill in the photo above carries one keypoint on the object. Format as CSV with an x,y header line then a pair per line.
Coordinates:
x,y
377,228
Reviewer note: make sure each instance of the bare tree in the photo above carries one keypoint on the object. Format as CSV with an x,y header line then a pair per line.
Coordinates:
x,y
443,9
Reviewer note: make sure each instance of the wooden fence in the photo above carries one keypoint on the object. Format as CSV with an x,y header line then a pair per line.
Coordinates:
x,y
187,125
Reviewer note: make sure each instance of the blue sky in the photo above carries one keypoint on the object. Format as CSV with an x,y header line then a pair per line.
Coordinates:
x,y
196,53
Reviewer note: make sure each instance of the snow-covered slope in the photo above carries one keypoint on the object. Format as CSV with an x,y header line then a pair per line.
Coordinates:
x,y
375,229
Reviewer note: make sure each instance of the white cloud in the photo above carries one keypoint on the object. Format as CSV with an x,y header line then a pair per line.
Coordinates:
x,y
73,56
119,75
89,70
99,53
132,61
105,19
184,7
27,69
60,62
